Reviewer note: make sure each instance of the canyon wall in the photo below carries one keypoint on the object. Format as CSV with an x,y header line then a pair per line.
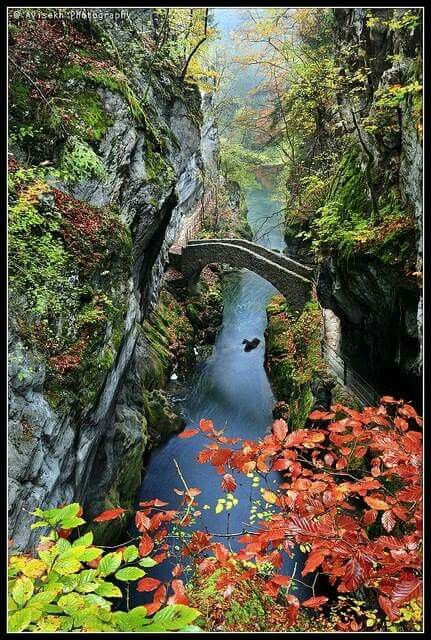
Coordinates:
x,y
78,425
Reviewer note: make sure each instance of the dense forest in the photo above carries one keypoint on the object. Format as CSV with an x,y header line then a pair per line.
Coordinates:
x,y
215,319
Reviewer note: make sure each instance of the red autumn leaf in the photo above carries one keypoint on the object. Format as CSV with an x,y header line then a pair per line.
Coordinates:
x,y
206,425
353,574
388,607
377,503
329,459
281,464
94,563
111,514
406,590
148,584
160,594
64,533
146,545
228,483
193,492
179,595
160,503
220,457
314,560
341,463
401,423
279,429
188,433
142,521
153,503
160,557
369,517
283,581
220,552
407,411
272,589
177,570
161,533
152,607
315,602
389,520
292,609
204,456
321,415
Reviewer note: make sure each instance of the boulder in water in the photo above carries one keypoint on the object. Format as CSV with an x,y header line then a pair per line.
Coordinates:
x,y
250,344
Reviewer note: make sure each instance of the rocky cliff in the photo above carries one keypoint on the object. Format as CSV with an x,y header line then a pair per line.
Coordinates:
x,y
106,164
371,271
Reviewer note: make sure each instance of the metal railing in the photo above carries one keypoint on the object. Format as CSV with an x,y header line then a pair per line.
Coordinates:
x,y
350,378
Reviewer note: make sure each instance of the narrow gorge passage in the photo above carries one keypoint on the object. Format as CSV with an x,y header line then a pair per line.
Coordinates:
x,y
215,332
232,389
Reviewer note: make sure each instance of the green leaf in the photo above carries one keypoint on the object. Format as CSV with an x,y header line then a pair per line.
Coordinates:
x,y
66,565
41,523
70,582
56,516
19,621
154,628
84,541
63,545
129,573
44,597
34,568
176,616
94,599
66,623
109,563
22,590
108,590
134,620
48,555
90,554
72,522
192,628
147,562
138,618
121,621
71,603
130,553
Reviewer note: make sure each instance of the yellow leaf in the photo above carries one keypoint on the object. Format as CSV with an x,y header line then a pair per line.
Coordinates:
x,y
34,568
269,496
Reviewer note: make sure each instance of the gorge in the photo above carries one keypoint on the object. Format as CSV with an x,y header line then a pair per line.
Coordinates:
x,y
152,158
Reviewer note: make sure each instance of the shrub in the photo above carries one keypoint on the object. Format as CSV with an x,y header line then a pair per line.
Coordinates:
x,y
68,586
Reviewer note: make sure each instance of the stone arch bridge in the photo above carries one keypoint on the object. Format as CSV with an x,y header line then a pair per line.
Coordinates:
x,y
291,278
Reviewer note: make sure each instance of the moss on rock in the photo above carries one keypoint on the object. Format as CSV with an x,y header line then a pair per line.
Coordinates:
x,y
293,356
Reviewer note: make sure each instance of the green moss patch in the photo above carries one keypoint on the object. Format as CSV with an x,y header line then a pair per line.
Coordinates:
x,y
69,263
293,355
346,225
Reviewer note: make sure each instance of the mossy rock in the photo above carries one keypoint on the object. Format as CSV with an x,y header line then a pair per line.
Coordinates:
x,y
293,356
124,489
161,418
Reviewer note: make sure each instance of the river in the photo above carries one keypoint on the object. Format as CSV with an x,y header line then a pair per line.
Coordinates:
x,y
231,388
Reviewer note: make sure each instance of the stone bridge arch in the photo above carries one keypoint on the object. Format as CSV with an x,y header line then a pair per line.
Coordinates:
x,y
291,278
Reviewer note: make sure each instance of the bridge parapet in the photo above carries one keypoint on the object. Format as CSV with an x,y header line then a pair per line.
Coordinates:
x,y
274,256
284,274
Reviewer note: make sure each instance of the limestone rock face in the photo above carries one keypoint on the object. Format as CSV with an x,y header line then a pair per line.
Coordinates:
x,y
377,309
94,455
380,308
